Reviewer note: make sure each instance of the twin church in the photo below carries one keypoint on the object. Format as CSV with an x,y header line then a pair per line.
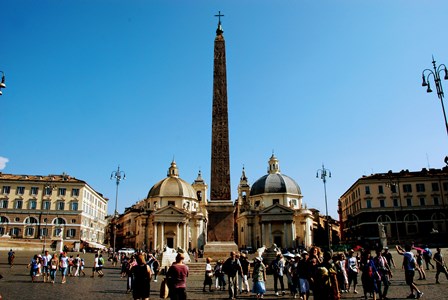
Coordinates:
x,y
176,213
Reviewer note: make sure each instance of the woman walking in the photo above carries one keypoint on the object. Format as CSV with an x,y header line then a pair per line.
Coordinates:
x,y
259,278
208,275
141,274
177,278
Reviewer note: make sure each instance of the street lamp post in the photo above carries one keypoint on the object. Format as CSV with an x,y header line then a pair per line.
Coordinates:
x,y
323,175
426,74
391,183
2,83
118,175
48,189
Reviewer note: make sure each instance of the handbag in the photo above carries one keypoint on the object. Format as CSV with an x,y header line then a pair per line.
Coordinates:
x,y
164,290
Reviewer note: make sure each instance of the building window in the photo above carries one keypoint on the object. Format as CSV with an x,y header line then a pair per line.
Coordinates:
x,y
407,188
420,187
411,222
275,201
75,192
29,231
14,232
439,223
3,203
2,230
48,191
422,202
74,206
32,204
445,186
435,200
393,188
367,188
60,205
20,190
435,186
395,202
257,203
17,219
34,190
44,232
3,219
6,189
18,204
46,205
62,191
369,204
380,189
409,201
171,203
382,203
71,233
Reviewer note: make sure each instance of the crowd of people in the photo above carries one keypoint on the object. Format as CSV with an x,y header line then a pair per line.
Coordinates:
x,y
323,275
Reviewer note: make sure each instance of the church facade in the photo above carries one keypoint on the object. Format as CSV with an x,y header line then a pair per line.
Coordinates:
x,y
271,211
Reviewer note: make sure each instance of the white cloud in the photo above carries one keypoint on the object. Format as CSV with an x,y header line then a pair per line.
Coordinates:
x,y
3,161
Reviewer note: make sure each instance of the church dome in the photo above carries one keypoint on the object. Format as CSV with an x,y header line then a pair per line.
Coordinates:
x,y
172,186
275,182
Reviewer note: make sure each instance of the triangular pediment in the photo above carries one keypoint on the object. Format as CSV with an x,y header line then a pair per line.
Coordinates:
x,y
277,209
170,211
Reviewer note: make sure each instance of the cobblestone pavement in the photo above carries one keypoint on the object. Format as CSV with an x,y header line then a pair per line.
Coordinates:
x,y
16,284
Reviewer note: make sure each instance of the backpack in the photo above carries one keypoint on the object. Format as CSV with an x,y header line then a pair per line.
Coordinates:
x,y
101,261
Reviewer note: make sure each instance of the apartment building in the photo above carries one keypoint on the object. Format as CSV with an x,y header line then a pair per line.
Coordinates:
x,y
407,206
53,208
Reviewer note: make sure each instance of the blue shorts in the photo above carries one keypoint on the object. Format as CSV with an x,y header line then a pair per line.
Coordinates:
x,y
33,272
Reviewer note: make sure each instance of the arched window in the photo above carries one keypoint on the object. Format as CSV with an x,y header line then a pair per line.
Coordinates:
x,y
4,219
438,221
411,222
59,221
30,220
386,221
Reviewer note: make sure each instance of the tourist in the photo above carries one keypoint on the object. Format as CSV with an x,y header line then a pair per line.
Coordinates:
x,y
388,256
440,265
96,267
341,266
259,277
421,270
141,274
385,273
220,276
208,275
54,264
46,266
353,269
231,267
427,255
63,266
243,283
131,263
177,278
100,265
370,275
277,267
302,275
34,266
76,265
11,256
409,270
154,265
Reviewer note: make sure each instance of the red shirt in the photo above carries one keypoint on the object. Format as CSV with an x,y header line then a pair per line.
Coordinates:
x,y
178,274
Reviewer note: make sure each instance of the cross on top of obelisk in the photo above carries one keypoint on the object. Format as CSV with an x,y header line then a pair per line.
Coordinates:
x,y
219,16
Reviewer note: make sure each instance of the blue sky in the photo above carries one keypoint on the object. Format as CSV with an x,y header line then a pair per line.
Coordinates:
x,y
96,84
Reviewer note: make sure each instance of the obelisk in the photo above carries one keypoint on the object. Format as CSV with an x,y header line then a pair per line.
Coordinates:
x,y
220,208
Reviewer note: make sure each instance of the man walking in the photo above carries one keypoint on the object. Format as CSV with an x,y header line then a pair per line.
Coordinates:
x,y
231,267
277,267
440,265
409,270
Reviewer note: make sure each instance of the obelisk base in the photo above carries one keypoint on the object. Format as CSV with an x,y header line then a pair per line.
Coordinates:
x,y
220,238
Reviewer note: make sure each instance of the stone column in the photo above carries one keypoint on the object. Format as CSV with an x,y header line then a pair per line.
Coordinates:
x,y
262,234
156,224
177,235
162,238
285,234
270,233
